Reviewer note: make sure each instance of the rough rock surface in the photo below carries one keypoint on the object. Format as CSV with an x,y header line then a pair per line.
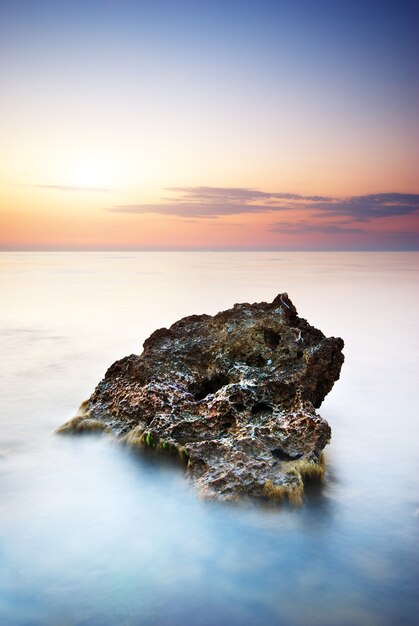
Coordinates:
x,y
234,394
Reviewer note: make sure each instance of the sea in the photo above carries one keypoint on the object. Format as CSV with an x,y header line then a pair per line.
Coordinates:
x,y
93,534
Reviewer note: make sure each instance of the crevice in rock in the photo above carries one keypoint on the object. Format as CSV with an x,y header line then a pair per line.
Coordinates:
x,y
255,360
261,407
209,385
280,454
227,423
271,338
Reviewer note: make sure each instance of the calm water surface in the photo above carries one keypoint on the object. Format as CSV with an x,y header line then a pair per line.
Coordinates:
x,y
92,535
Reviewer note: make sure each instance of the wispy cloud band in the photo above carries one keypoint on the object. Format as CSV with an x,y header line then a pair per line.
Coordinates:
x,y
211,202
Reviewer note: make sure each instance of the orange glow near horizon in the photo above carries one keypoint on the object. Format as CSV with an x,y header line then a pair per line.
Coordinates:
x,y
49,218
54,195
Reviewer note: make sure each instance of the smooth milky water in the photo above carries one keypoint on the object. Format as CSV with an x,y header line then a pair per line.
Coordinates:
x,y
93,535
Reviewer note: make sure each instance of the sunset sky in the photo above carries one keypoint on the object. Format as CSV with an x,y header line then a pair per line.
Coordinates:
x,y
209,125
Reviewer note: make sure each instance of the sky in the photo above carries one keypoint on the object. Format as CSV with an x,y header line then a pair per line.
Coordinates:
x,y
206,125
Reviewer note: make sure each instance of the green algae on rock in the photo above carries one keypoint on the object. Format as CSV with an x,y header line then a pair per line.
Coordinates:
x,y
234,394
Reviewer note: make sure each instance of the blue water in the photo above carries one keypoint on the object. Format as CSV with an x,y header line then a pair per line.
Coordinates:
x,y
93,535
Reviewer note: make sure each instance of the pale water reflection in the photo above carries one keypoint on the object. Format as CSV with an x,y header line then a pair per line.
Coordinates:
x,y
91,534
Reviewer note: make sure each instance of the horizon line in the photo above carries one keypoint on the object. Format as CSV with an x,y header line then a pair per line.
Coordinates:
x,y
227,249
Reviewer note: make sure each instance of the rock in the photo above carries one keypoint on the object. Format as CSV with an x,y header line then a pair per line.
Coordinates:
x,y
234,394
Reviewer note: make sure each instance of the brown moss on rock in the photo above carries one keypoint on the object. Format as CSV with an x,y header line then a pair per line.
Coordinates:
x,y
81,424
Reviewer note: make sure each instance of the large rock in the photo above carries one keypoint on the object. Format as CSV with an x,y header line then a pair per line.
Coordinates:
x,y
234,395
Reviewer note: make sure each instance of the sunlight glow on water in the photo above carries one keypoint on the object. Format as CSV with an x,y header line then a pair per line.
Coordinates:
x,y
91,534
